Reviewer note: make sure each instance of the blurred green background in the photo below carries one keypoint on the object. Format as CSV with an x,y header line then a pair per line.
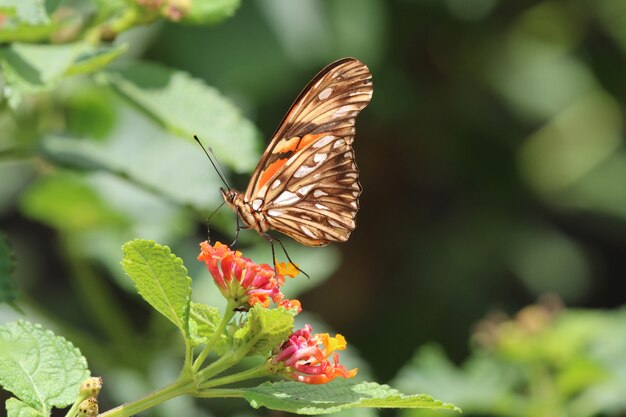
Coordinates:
x,y
492,160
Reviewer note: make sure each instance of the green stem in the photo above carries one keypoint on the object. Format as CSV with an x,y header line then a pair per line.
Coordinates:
x,y
128,19
72,411
228,315
255,372
216,367
188,356
224,362
181,387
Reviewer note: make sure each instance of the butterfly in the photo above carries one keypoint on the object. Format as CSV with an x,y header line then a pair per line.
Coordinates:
x,y
306,184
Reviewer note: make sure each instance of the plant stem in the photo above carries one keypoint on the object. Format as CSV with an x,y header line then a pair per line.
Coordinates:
x,y
128,19
228,315
255,372
72,411
182,386
188,356
216,367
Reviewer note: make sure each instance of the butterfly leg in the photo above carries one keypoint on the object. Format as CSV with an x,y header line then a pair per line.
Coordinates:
x,y
272,240
208,222
239,228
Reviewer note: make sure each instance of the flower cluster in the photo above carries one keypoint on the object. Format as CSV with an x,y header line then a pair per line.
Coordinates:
x,y
243,281
304,356
302,359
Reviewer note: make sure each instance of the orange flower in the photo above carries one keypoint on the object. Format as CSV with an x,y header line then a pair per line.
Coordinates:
x,y
242,280
292,305
300,357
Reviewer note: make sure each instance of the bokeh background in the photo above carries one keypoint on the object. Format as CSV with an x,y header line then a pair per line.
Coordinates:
x,y
491,156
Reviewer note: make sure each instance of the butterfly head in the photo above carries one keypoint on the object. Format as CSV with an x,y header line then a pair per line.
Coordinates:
x,y
229,195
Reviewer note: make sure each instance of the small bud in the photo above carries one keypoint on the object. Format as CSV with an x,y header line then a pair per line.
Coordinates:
x,y
91,386
88,408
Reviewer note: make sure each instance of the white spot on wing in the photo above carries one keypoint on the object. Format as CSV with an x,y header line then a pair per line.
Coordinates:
x,y
325,93
321,206
274,213
338,143
307,231
334,223
304,190
319,157
286,197
303,171
319,193
256,204
342,110
323,141
275,184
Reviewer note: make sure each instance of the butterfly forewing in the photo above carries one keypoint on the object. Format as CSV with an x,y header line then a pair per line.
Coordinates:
x,y
306,182
328,105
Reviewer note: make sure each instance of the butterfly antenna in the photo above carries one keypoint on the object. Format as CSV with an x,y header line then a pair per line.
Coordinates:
x,y
219,171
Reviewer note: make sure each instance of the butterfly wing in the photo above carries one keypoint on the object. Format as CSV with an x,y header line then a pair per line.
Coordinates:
x,y
306,182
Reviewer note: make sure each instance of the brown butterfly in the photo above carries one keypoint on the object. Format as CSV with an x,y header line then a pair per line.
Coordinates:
x,y
306,184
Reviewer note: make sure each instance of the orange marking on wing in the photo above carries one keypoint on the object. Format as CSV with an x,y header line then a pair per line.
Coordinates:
x,y
270,171
286,145
306,139
294,145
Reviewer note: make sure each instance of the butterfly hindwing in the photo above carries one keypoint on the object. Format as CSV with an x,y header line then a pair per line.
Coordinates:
x,y
318,207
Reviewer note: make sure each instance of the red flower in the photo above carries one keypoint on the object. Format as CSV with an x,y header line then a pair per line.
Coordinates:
x,y
242,280
300,357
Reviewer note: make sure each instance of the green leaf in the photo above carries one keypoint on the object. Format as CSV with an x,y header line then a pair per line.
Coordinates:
x,y
335,396
161,279
8,292
32,12
187,106
95,59
173,169
17,408
46,371
204,12
91,112
265,329
67,202
203,321
33,68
